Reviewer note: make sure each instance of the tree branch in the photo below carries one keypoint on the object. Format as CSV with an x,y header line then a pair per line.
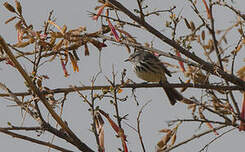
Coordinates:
x,y
15,135
205,65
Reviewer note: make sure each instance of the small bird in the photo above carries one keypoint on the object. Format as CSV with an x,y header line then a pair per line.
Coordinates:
x,y
149,68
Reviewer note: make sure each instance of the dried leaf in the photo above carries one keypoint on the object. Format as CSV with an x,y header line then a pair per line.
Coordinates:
x,y
18,6
99,45
10,19
9,7
241,72
192,26
164,130
187,23
120,90
113,30
187,101
182,67
101,8
24,44
86,51
64,28
64,68
55,25
203,35
73,62
75,55
58,45
207,9
184,88
163,142
173,139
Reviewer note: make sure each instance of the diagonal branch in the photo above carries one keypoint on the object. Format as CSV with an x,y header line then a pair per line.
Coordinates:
x,y
15,135
193,137
79,144
205,65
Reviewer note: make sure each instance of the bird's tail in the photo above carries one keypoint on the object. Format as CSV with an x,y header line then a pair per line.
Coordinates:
x,y
172,93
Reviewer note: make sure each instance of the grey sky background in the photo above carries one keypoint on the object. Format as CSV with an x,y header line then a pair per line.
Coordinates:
x,y
74,13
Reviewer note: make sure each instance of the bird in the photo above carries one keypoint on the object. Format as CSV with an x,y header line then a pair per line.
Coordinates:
x,y
148,67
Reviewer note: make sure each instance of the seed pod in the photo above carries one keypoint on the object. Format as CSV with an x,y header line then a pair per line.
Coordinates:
x,y
9,7
203,35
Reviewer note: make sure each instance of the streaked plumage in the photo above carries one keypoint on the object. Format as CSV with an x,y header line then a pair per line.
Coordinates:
x,y
149,68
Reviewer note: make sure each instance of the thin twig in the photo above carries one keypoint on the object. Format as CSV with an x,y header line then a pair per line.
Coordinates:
x,y
138,125
132,86
15,135
216,138
193,137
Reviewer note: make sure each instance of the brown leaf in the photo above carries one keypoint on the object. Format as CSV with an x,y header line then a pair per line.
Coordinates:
x,y
10,19
86,51
73,62
203,35
163,142
192,26
18,6
9,7
187,24
173,139
164,130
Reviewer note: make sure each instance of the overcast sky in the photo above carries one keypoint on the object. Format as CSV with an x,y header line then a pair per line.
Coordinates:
x,y
74,13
